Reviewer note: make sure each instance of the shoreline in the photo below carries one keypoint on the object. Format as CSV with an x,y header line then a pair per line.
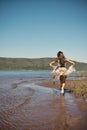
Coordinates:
x,y
77,87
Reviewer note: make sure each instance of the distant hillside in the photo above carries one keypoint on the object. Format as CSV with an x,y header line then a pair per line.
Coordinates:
x,y
31,64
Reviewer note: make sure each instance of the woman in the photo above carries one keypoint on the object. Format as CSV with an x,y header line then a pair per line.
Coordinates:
x,y
60,71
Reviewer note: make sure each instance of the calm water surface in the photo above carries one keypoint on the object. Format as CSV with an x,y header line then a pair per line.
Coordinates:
x,y
30,74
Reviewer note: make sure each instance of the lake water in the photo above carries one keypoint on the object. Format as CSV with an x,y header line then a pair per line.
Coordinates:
x,y
32,74
24,105
25,74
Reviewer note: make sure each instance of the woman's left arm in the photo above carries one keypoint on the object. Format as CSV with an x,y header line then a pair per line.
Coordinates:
x,y
71,62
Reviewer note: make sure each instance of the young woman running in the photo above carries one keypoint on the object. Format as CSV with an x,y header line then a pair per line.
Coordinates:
x,y
60,71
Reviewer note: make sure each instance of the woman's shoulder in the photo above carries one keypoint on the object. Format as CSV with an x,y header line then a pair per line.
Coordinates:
x,y
66,60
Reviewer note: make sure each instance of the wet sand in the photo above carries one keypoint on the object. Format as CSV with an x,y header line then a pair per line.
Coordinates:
x,y
38,105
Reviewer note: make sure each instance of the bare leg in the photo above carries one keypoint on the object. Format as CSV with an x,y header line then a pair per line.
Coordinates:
x,y
62,88
62,83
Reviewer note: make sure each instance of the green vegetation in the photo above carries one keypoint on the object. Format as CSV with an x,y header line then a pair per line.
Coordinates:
x,y
79,88
31,64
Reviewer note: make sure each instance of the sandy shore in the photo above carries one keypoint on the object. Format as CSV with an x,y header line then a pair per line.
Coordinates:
x,y
38,105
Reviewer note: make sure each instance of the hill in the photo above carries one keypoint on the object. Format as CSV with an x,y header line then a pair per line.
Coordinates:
x,y
31,64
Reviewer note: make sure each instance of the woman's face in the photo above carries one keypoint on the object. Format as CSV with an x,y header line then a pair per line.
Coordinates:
x,y
61,55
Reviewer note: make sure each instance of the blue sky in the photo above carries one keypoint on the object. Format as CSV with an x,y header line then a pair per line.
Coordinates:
x,y
41,28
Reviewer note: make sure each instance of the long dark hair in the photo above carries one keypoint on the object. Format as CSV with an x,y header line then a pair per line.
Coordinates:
x,y
61,58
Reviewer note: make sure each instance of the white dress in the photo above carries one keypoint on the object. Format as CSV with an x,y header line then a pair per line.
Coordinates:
x,y
57,71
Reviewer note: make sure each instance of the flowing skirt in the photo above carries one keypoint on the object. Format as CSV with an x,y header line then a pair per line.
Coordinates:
x,y
57,72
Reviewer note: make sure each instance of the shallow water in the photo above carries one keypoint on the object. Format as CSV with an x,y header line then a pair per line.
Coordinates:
x,y
24,105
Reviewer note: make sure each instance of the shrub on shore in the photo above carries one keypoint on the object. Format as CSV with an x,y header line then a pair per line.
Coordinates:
x,y
79,88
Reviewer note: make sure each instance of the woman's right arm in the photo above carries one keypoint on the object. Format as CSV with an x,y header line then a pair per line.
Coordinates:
x,y
51,63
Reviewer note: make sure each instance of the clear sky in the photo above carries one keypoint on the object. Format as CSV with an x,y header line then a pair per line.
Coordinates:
x,y
41,28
